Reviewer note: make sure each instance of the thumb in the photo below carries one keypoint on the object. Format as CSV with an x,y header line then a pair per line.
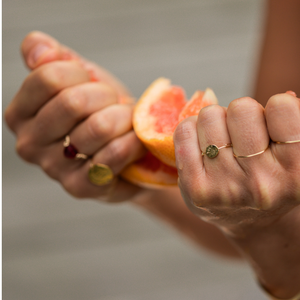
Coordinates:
x,y
39,48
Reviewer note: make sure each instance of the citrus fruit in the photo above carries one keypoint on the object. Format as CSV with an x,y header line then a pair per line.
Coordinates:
x,y
159,111
150,172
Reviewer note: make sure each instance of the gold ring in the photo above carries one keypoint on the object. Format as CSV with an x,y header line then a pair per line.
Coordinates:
x,y
212,151
70,151
250,155
287,142
100,174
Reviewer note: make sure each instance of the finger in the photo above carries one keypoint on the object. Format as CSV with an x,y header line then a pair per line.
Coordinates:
x,y
102,127
283,120
120,152
39,48
188,155
68,108
73,174
248,131
117,154
212,130
43,84
79,186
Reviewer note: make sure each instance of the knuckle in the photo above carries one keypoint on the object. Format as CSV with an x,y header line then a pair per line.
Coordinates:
x,y
106,91
240,108
100,126
59,74
72,101
51,75
185,130
73,187
117,151
210,114
49,167
24,149
280,102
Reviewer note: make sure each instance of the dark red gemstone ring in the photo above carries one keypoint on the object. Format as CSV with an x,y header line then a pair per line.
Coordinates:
x,y
70,150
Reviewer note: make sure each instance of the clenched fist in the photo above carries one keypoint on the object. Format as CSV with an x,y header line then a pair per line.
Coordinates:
x,y
251,191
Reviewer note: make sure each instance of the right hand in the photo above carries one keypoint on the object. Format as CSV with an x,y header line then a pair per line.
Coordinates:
x,y
66,95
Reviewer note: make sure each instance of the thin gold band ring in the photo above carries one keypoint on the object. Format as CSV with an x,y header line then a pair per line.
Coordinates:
x,y
287,142
250,155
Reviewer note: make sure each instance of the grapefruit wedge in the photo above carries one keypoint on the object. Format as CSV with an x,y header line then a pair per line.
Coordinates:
x,y
158,112
150,172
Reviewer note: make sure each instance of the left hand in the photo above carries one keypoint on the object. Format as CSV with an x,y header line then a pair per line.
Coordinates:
x,y
241,194
249,199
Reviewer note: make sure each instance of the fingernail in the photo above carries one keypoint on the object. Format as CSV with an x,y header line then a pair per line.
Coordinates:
x,y
36,53
291,93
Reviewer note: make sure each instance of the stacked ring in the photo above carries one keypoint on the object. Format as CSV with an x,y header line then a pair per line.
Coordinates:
x,y
70,151
212,151
250,155
100,174
287,142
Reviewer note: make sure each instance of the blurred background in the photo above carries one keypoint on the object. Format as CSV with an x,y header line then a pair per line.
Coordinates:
x,y
55,247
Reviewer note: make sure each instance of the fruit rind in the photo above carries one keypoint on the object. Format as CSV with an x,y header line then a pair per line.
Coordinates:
x,y
156,135
150,172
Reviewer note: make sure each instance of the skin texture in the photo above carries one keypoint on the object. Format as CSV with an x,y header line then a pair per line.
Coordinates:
x,y
250,212
256,204
60,88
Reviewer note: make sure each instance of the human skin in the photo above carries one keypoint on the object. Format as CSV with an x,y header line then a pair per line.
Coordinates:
x,y
270,245
254,201
65,101
260,215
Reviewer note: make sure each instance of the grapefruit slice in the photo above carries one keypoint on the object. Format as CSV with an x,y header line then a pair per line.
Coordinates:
x,y
159,111
150,172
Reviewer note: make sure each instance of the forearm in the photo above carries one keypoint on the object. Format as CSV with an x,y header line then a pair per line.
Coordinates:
x,y
169,206
274,254
279,65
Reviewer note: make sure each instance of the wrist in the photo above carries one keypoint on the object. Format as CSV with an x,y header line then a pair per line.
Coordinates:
x,y
273,253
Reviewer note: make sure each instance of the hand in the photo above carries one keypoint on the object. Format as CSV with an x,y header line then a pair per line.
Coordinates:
x,y
241,194
65,94
247,198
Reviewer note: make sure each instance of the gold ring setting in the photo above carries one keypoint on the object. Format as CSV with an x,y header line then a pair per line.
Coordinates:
x,y
100,174
70,151
212,151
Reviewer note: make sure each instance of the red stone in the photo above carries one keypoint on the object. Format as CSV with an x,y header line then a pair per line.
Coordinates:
x,y
70,151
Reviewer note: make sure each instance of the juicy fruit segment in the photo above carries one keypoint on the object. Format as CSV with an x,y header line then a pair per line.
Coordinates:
x,y
199,100
149,172
159,111
167,109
